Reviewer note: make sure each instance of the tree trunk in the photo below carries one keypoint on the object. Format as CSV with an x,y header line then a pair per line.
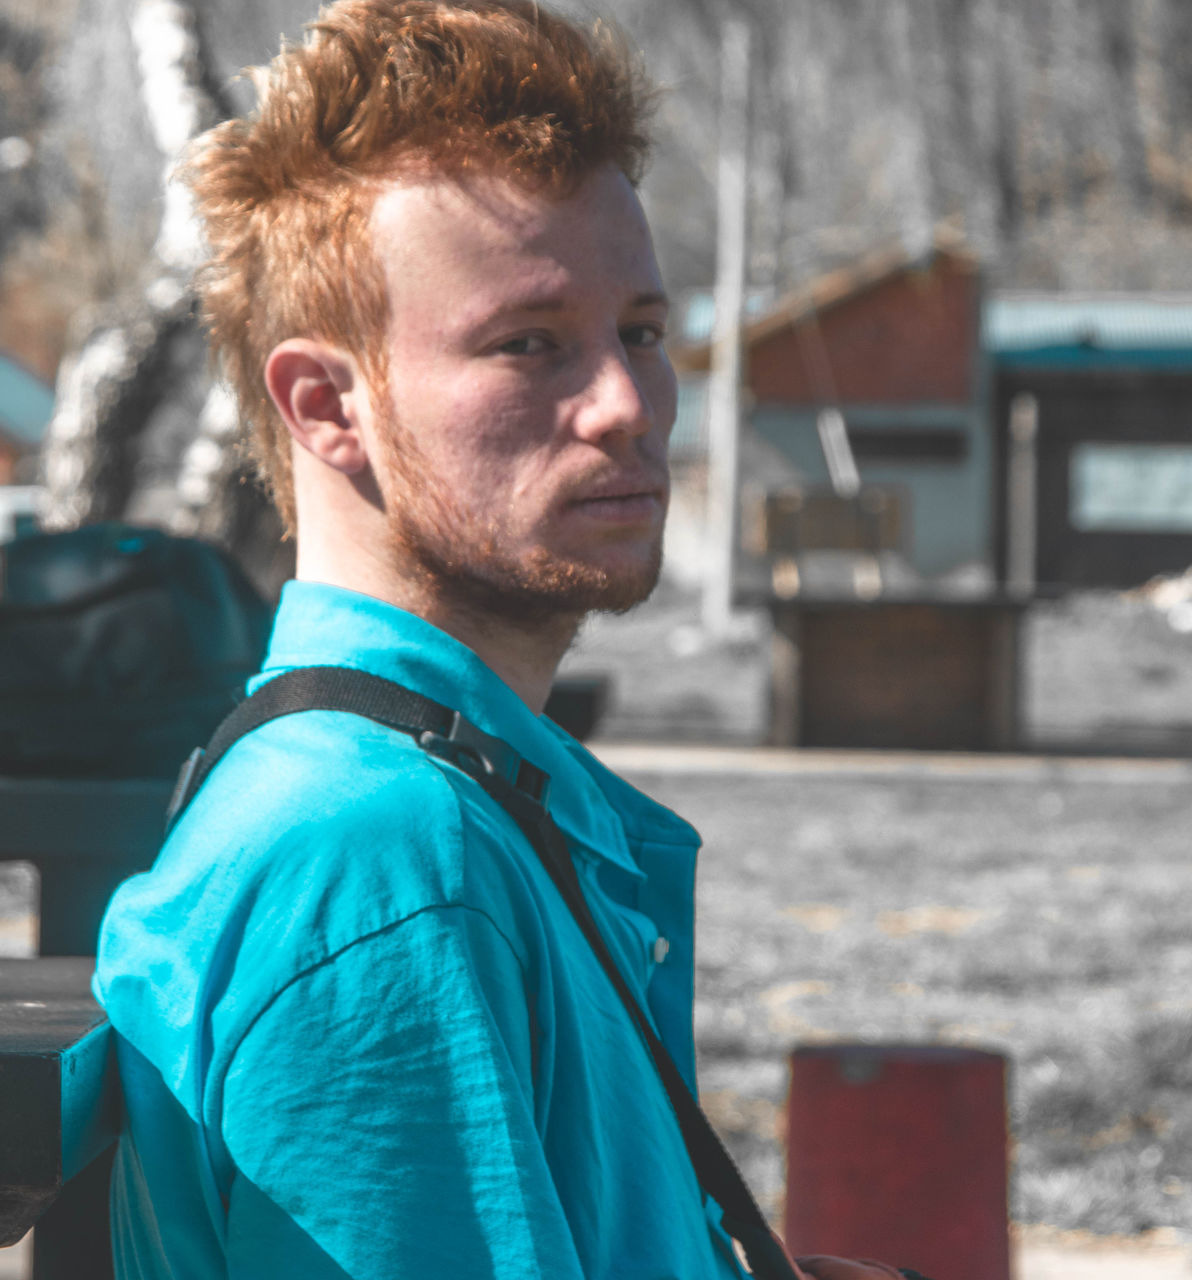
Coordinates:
x,y
128,438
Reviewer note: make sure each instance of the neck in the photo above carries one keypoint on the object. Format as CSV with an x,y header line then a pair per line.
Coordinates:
x,y
524,655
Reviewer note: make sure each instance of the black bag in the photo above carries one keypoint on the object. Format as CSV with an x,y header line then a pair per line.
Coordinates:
x,y
120,647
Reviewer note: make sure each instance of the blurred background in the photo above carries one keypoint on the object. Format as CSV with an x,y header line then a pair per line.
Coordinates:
x,y
919,664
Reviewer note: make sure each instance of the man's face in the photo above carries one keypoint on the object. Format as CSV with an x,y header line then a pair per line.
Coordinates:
x,y
522,447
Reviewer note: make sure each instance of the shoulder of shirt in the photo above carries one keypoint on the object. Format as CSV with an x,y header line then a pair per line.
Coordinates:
x,y
332,791
314,831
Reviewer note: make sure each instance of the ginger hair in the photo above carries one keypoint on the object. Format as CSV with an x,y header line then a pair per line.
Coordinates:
x,y
286,194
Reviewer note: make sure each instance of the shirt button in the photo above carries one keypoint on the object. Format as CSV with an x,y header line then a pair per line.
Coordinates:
x,y
661,947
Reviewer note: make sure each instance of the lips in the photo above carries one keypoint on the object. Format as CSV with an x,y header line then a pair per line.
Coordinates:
x,y
633,500
629,508
620,495
621,489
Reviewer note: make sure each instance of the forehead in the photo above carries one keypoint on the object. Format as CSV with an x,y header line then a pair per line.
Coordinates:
x,y
485,232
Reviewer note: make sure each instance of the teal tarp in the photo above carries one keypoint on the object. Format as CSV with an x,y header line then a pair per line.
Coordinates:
x,y
26,403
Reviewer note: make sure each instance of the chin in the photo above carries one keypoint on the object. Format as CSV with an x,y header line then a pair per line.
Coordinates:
x,y
536,585
542,588
617,595
605,585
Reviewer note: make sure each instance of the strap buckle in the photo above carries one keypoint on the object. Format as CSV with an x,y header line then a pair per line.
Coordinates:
x,y
185,785
477,753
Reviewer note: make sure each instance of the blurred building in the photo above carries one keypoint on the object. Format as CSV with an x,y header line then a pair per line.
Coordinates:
x,y
999,447
1108,381
893,344
928,373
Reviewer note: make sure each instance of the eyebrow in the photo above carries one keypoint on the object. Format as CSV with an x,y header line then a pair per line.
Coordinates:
x,y
652,299
552,304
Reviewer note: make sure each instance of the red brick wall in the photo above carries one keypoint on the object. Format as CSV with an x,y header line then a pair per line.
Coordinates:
x,y
909,340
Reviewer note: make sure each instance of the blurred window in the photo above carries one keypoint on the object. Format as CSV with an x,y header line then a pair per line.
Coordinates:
x,y
1124,487
908,444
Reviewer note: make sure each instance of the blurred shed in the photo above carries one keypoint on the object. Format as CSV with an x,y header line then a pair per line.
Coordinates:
x,y
1107,380
892,341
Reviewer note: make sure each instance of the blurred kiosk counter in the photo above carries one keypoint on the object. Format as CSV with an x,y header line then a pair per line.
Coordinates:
x,y
896,671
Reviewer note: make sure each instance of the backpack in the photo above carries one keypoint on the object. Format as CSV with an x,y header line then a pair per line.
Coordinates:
x,y
120,647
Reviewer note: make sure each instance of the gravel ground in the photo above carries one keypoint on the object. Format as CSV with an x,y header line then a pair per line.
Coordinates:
x,y
1038,910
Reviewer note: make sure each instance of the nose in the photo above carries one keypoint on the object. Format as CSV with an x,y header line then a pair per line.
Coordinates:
x,y
616,400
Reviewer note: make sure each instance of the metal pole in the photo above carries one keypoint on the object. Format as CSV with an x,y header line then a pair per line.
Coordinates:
x,y
1021,487
838,453
724,383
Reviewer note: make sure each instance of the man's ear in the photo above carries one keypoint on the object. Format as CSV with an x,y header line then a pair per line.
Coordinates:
x,y
321,394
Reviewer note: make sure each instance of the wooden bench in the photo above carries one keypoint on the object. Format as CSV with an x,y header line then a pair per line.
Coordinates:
x,y
59,1115
58,1091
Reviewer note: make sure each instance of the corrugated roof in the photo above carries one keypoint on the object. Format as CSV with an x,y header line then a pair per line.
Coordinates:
x,y
1110,322
26,403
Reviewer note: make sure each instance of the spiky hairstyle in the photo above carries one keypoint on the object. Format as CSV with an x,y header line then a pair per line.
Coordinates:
x,y
377,87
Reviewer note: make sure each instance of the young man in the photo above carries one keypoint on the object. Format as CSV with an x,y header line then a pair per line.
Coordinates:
x,y
360,1034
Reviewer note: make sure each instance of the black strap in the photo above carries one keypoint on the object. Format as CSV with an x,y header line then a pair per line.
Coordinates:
x,y
520,788
362,694
714,1167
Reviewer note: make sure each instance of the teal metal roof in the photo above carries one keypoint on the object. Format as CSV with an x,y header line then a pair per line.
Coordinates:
x,y
26,403
1089,328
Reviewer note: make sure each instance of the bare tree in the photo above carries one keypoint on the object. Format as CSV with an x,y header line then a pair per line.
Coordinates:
x,y
140,429
110,386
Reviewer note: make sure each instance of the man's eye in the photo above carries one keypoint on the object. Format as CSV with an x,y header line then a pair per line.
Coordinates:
x,y
526,344
642,335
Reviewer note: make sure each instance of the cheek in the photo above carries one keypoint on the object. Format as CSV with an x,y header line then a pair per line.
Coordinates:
x,y
488,464
493,434
486,439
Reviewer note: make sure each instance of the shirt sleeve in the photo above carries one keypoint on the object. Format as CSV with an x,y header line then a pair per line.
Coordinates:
x,y
380,1116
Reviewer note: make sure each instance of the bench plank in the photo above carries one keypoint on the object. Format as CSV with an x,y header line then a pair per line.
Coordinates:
x,y
59,1095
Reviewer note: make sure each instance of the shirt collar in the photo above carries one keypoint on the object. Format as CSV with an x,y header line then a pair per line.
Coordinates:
x,y
322,625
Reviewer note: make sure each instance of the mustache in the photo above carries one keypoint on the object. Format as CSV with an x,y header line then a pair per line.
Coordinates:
x,y
610,481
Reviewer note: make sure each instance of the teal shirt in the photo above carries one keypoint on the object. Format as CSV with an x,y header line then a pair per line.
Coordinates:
x,y
360,1034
